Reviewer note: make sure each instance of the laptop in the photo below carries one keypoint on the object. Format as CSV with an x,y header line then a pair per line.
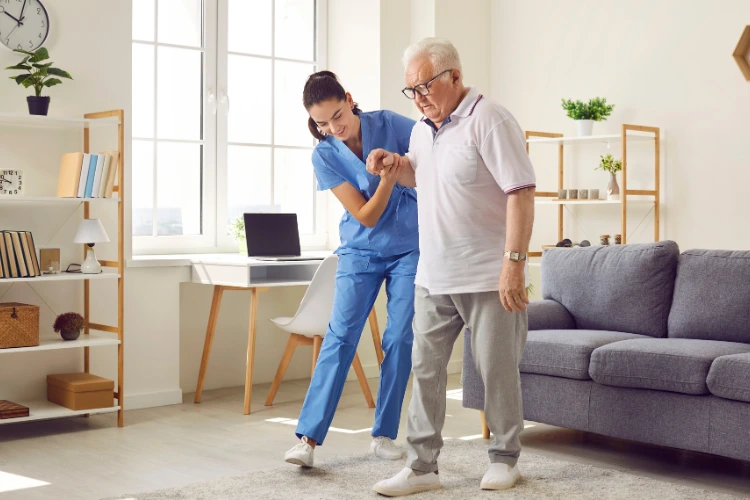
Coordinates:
x,y
273,236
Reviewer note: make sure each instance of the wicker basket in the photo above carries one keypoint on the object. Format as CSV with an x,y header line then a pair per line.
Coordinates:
x,y
19,325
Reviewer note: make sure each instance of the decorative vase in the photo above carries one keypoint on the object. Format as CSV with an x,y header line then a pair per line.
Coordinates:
x,y
70,334
585,127
38,105
613,190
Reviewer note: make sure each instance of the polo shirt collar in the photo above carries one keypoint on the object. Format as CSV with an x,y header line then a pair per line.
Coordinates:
x,y
465,107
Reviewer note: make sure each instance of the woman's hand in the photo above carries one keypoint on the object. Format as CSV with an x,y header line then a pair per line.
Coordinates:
x,y
391,170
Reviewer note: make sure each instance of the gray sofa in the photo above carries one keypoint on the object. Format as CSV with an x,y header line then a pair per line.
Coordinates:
x,y
639,342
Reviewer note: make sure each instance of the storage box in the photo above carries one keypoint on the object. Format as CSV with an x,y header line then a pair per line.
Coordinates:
x,y
80,391
19,325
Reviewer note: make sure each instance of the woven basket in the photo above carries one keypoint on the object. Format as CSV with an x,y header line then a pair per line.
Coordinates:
x,y
19,325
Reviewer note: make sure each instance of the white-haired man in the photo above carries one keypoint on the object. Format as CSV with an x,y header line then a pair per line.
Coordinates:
x,y
475,186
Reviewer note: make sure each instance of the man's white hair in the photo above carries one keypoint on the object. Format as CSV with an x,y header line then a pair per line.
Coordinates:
x,y
440,51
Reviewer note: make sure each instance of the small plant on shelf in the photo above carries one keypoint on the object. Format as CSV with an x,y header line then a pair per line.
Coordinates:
x,y
610,164
585,114
38,75
69,325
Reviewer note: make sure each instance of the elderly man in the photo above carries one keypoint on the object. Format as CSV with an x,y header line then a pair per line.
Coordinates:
x,y
475,186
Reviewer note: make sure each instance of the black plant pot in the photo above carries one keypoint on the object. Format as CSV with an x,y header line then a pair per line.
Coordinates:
x,y
38,105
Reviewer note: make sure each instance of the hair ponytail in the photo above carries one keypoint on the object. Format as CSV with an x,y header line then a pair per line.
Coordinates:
x,y
322,86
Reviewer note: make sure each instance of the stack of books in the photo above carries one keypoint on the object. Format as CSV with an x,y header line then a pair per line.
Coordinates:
x,y
9,409
84,175
18,255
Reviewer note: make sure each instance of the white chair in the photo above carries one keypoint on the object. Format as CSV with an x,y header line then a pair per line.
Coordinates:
x,y
309,326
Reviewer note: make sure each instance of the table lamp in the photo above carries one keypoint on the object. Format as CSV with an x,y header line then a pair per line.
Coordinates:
x,y
90,232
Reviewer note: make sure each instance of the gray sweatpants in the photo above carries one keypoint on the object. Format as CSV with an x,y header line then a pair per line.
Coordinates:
x,y
497,341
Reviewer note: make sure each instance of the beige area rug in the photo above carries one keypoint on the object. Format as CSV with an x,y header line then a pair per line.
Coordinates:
x,y
462,464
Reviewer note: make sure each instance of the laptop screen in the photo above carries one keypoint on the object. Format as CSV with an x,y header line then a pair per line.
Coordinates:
x,y
272,235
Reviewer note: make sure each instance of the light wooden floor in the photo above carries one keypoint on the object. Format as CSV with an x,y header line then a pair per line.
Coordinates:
x,y
85,459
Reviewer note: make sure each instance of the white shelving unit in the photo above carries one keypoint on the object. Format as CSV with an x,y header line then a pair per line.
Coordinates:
x,y
111,335
628,134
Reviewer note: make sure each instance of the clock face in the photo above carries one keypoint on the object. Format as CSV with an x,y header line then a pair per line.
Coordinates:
x,y
24,24
11,181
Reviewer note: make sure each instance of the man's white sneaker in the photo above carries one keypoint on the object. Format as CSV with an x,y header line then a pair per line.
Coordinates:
x,y
500,477
384,447
301,454
407,482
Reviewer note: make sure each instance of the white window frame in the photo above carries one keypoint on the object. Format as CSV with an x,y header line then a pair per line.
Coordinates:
x,y
215,237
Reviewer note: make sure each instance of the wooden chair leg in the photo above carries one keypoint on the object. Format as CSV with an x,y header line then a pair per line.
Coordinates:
x,y
357,365
291,345
376,336
485,427
317,342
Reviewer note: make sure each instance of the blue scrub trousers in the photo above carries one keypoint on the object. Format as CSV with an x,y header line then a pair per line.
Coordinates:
x,y
358,281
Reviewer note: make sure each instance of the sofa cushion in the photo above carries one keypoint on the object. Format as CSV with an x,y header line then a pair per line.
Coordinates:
x,y
565,353
729,377
549,315
624,288
676,365
712,296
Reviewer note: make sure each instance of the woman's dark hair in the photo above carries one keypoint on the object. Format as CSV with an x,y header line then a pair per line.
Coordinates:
x,y
322,86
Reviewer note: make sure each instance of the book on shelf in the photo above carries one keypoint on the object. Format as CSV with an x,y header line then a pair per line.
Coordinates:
x,y
9,409
18,253
84,175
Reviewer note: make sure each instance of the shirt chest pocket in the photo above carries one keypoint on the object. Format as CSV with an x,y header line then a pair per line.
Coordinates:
x,y
457,164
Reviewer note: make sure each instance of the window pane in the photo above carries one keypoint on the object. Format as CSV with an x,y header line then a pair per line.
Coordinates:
x,y
248,180
295,29
181,22
294,186
179,99
249,88
143,20
143,90
250,26
290,120
178,181
142,191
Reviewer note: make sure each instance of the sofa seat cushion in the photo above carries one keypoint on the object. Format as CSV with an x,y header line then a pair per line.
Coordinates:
x,y
729,377
675,365
565,353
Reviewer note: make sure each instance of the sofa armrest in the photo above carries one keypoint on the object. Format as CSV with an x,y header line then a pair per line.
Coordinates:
x,y
549,315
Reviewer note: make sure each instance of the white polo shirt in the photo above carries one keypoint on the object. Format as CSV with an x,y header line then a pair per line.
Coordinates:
x,y
464,174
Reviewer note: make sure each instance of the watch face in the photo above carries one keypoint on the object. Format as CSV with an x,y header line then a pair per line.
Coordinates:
x,y
11,182
24,24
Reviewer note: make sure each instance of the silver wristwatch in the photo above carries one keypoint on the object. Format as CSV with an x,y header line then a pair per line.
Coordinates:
x,y
515,256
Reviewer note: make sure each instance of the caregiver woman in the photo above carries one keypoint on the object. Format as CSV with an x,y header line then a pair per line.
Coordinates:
x,y
379,241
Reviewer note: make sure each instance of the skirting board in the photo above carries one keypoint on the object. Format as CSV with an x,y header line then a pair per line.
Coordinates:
x,y
152,399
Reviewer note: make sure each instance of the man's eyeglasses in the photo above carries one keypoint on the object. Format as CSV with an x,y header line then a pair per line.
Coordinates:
x,y
422,89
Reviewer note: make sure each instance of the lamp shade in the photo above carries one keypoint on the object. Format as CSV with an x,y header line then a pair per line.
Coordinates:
x,y
91,231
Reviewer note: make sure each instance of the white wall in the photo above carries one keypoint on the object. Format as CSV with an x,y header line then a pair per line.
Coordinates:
x,y
666,64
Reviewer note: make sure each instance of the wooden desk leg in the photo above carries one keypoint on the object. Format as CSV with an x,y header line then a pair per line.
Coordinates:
x,y
250,348
213,316
376,336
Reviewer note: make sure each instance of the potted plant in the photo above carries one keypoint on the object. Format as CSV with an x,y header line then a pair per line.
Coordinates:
x,y
237,231
69,325
610,164
38,75
585,114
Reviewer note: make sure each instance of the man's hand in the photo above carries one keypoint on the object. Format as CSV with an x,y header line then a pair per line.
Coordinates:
x,y
378,159
391,174
513,287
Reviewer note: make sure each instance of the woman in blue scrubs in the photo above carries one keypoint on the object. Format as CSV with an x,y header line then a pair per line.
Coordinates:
x,y
379,242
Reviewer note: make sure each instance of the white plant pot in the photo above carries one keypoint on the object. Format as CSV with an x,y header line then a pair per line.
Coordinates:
x,y
585,127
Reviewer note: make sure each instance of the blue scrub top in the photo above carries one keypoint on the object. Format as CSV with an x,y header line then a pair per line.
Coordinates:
x,y
396,231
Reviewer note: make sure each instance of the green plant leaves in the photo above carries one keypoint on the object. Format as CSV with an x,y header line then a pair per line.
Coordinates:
x,y
20,66
59,72
40,55
609,164
596,109
20,79
52,82
39,73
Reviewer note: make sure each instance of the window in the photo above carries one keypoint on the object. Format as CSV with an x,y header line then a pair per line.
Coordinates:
x,y
218,123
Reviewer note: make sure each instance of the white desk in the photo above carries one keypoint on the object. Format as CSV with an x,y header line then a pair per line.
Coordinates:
x,y
235,272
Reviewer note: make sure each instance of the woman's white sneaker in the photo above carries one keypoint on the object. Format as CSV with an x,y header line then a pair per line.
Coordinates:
x,y
300,454
407,482
500,477
384,447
